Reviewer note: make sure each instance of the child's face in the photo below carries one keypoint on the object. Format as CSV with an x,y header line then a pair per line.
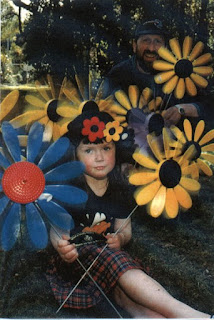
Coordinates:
x,y
99,159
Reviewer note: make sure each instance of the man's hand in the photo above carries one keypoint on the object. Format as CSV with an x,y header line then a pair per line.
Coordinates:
x,y
171,116
67,251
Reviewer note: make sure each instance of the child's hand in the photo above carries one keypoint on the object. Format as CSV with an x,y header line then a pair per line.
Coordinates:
x,y
113,241
67,251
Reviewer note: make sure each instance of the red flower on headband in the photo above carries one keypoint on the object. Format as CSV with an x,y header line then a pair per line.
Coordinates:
x,y
93,128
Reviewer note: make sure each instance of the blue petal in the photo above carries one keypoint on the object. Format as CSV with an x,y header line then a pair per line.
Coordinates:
x,y
3,203
11,141
11,227
36,227
54,153
34,141
56,214
66,171
4,163
67,194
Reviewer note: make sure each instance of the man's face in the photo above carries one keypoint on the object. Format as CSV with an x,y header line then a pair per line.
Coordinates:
x,y
146,48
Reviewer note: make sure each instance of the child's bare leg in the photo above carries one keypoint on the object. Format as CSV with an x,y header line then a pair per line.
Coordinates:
x,y
134,309
149,293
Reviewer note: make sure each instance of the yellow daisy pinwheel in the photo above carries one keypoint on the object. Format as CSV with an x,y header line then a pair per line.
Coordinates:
x,y
43,110
120,109
204,149
183,69
79,95
8,104
163,185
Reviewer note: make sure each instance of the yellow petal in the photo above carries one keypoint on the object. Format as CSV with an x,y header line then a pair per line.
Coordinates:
x,y
72,95
8,103
178,134
36,102
155,103
157,205
166,55
23,140
155,147
64,128
190,184
56,131
190,87
199,81
48,132
145,194
64,83
142,177
187,45
191,170
144,161
81,87
208,157
188,129
123,99
170,85
209,147
183,197
133,95
51,84
204,167
175,46
26,118
207,137
171,206
188,155
162,65
180,89
118,109
163,76
203,71
198,48
68,112
121,119
204,59
146,94
166,142
199,130
42,90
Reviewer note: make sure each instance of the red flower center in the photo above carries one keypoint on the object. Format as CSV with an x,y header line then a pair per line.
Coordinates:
x,y
23,182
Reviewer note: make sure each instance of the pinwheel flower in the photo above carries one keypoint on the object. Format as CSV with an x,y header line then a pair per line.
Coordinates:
x,y
112,131
79,95
121,109
44,110
35,186
163,185
93,128
8,104
204,149
182,71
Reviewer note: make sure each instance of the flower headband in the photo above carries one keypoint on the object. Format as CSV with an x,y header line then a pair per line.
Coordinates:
x,y
94,128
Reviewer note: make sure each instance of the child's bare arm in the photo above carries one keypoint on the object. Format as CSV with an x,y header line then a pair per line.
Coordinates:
x,y
60,241
122,237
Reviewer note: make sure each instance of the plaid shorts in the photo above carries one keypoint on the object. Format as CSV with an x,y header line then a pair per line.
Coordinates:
x,y
110,266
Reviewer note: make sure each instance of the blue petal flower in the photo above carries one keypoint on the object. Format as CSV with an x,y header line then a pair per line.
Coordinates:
x,y
11,227
20,191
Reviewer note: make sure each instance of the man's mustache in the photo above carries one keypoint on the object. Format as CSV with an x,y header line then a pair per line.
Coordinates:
x,y
150,52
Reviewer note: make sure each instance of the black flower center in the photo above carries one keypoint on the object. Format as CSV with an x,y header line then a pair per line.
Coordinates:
x,y
183,68
51,111
197,147
94,128
156,124
112,131
170,173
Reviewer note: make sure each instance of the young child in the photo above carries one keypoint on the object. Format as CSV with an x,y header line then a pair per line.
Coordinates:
x,y
105,212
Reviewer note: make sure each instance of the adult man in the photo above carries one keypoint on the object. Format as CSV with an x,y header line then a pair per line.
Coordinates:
x,y
138,70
